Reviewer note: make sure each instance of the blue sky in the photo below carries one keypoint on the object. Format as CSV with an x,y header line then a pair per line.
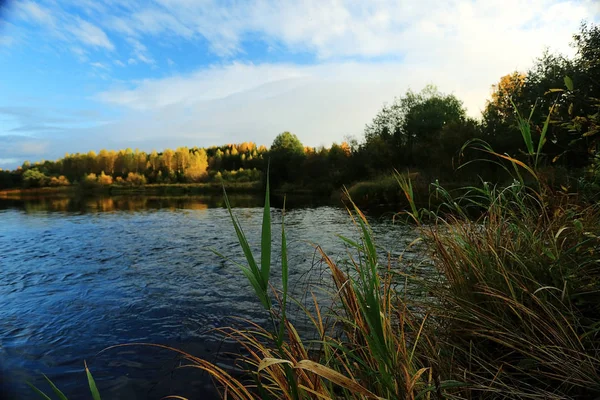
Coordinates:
x,y
79,75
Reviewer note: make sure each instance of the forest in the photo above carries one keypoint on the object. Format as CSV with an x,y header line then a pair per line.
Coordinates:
x,y
422,132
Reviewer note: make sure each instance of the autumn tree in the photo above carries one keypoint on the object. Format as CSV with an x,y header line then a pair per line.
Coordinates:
x,y
196,168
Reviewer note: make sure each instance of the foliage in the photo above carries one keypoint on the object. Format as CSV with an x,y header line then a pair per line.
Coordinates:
x,y
59,181
285,155
135,179
105,180
90,180
183,165
91,383
404,131
34,178
287,143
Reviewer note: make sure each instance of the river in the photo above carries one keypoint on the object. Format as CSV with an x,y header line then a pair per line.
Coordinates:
x,y
80,274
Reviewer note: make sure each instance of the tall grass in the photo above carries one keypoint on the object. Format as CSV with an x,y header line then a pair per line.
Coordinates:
x,y
513,309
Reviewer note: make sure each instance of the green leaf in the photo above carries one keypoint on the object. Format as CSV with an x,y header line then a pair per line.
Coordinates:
x,y
525,128
38,392
60,394
350,242
253,273
543,137
92,383
284,260
549,254
568,83
265,245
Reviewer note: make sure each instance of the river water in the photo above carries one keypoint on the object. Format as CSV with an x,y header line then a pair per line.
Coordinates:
x,y
80,275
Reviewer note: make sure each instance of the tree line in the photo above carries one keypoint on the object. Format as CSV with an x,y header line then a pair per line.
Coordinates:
x,y
423,131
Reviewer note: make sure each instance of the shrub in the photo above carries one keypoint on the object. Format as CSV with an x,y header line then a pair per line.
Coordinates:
x,y
136,179
105,180
34,178
59,181
90,180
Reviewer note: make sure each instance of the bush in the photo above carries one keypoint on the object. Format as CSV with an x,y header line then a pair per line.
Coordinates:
x,y
385,190
60,181
33,178
105,180
240,175
90,180
135,179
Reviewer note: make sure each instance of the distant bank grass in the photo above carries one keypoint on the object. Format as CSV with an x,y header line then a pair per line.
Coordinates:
x,y
384,190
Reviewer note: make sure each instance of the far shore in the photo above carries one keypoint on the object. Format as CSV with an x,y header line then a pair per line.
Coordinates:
x,y
153,189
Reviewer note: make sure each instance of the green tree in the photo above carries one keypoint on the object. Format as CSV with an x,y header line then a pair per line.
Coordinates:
x,y
287,143
286,156
400,133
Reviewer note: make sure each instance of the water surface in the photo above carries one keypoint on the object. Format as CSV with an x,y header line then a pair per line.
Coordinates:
x,y
79,275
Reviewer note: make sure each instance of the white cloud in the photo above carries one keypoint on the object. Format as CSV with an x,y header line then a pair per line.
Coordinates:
x,y
100,65
80,53
31,11
334,28
90,34
119,63
140,52
463,47
321,103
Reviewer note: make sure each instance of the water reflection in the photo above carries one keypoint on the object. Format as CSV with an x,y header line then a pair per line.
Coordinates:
x,y
84,273
96,204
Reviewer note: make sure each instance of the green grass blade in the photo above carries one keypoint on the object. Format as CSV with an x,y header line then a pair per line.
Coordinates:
x,y
569,83
241,237
284,275
92,383
253,274
265,245
284,260
39,392
525,128
350,242
57,391
543,136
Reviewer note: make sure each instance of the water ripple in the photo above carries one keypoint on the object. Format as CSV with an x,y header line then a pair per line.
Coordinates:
x,y
75,282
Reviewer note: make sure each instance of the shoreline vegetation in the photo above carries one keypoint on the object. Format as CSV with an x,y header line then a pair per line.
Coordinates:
x,y
506,302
